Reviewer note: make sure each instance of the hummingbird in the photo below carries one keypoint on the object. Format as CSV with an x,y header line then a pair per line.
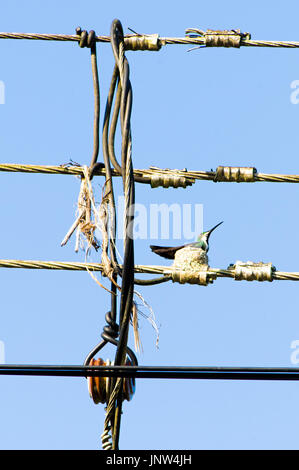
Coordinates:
x,y
198,248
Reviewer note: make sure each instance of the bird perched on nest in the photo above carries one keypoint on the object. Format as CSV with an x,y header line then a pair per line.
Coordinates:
x,y
190,256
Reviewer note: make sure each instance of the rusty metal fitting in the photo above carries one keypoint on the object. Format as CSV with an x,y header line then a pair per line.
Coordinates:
x,y
99,387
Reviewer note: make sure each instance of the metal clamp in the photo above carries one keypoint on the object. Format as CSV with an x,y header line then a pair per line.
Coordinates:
x,y
146,42
235,174
202,277
252,271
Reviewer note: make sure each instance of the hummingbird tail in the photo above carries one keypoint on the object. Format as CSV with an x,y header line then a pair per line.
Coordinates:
x,y
165,251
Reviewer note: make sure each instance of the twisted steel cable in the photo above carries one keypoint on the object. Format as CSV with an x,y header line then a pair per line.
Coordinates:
x,y
89,40
127,285
163,41
140,175
140,269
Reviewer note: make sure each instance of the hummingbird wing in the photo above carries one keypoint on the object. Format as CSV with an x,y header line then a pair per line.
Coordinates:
x,y
166,251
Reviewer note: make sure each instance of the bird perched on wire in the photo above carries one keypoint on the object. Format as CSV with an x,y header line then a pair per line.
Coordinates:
x,y
189,256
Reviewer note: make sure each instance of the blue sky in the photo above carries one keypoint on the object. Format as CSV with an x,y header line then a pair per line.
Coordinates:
x,y
196,110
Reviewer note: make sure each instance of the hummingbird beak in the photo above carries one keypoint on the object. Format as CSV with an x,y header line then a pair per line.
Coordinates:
x,y
212,229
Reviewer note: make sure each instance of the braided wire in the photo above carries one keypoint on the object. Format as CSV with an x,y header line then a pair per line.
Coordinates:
x,y
162,40
145,174
141,269
127,286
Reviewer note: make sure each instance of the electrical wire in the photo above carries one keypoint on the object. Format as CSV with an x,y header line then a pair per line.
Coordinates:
x,y
155,372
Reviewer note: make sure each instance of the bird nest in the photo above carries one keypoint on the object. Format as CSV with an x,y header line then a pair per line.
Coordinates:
x,y
190,258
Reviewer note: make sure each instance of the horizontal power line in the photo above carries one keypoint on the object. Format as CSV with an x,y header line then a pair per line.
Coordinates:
x,y
155,372
148,173
161,41
167,271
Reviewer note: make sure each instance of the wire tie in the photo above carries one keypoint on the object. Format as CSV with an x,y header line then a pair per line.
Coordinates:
x,y
252,271
217,38
201,277
146,42
87,39
235,174
167,181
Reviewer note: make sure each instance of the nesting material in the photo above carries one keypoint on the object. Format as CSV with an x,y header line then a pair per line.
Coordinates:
x,y
89,218
135,324
84,224
150,317
190,259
